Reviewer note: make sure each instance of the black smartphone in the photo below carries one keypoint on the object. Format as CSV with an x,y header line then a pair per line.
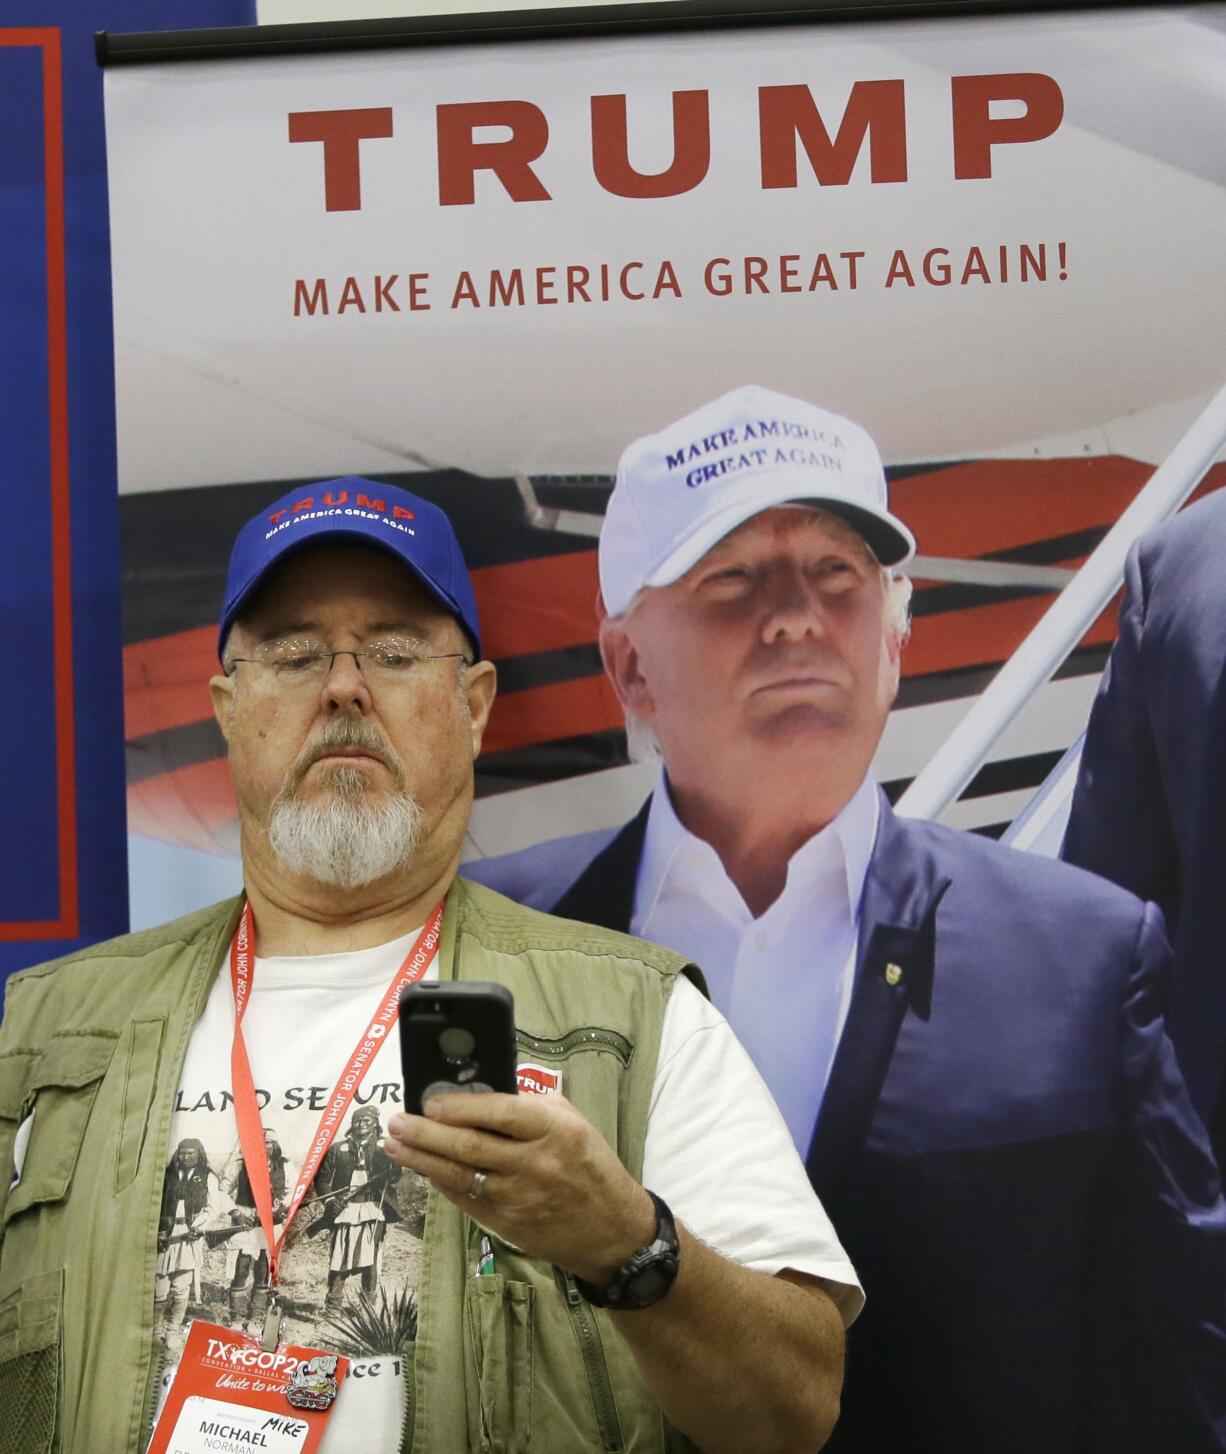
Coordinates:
x,y
456,1037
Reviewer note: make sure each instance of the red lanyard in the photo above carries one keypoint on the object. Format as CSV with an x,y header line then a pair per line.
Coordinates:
x,y
246,1107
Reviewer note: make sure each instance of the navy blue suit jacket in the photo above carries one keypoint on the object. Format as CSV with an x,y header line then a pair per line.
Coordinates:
x,y
1009,1156
1149,811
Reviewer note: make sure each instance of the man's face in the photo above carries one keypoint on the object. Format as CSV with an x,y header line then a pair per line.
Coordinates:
x,y
773,654
344,736
188,1157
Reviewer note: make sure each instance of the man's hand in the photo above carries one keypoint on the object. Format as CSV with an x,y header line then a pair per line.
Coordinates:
x,y
553,1186
555,1189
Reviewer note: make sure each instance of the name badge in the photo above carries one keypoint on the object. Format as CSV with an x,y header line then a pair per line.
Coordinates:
x,y
230,1395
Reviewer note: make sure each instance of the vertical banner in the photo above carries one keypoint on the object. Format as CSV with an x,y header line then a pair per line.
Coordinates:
x,y
63,879
481,270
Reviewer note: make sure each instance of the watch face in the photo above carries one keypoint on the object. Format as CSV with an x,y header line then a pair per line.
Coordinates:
x,y
649,1284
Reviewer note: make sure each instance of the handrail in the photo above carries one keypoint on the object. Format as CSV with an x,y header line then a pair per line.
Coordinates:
x,y
1039,827
1064,624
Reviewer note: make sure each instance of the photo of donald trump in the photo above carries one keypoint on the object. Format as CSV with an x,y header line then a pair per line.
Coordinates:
x,y
966,1041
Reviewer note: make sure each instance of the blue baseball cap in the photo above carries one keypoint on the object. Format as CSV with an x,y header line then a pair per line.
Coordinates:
x,y
360,511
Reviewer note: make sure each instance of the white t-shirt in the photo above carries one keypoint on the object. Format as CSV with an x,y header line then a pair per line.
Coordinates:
x,y
716,1150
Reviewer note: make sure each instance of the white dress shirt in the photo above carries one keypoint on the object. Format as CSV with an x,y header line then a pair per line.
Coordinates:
x,y
784,979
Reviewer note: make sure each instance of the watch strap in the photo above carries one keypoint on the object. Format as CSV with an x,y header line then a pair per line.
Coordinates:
x,y
646,1275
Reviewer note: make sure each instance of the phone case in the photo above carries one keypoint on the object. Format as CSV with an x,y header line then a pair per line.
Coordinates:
x,y
456,1037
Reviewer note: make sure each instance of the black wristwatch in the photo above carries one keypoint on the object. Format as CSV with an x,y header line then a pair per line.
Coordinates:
x,y
646,1275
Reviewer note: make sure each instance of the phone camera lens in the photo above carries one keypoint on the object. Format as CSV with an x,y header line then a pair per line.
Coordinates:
x,y
456,1043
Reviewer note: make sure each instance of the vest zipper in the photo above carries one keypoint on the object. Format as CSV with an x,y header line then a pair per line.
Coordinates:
x,y
409,1428
583,1320
160,1359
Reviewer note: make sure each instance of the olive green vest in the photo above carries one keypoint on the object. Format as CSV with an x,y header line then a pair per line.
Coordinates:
x,y
95,1045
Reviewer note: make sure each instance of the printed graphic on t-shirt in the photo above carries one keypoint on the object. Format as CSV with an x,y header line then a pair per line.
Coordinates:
x,y
349,1266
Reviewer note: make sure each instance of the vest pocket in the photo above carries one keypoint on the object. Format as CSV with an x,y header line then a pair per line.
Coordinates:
x,y
60,1090
140,1079
30,1365
14,1078
498,1331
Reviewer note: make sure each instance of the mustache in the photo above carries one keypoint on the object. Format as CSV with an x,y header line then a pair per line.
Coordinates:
x,y
344,732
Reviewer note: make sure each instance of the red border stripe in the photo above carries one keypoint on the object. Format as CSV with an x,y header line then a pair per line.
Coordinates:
x,y
67,926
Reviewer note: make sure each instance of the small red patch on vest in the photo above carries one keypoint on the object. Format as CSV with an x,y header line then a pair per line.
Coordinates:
x,y
537,1080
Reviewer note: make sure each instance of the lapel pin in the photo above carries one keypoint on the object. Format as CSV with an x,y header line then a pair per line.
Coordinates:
x,y
893,974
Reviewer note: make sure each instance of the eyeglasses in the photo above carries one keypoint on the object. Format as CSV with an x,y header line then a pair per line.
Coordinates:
x,y
290,663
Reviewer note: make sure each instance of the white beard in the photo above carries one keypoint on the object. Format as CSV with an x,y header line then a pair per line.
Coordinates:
x,y
345,840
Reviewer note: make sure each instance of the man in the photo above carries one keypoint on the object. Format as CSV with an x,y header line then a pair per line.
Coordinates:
x,y
358,1177
191,1200
353,699
1149,810
246,1247
966,1042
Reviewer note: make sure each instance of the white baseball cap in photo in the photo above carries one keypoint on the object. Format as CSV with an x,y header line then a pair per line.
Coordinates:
x,y
680,491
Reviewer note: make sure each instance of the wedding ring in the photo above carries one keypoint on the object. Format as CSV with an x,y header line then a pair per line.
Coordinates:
x,y
478,1186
